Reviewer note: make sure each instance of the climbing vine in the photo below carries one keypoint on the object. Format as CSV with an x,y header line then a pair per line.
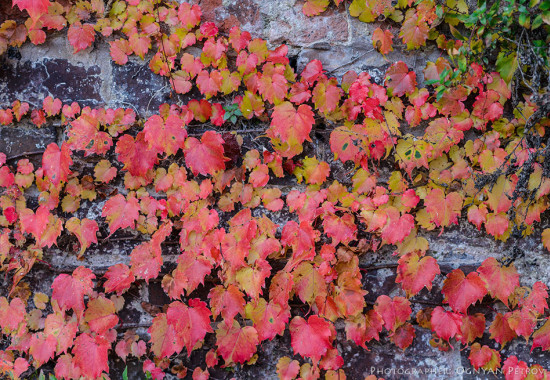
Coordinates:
x,y
471,144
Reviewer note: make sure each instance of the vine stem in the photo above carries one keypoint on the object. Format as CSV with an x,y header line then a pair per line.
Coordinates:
x,y
26,154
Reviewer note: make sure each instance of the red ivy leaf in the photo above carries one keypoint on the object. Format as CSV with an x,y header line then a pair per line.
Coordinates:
x,y
415,272
541,337
500,281
56,163
484,356
119,278
205,157
236,344
190,322
227,302
69,291
399,80
100,315
311,338
461,291
165,135
36,8
121,213
445,324
90,354
394,311
81,36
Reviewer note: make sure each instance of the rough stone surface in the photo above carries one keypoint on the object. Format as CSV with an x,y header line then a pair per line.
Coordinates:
x,y
342,43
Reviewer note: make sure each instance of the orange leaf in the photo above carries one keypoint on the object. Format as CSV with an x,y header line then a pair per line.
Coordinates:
x,y
382,40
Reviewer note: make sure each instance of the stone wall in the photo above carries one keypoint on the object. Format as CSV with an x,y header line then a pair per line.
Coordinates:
x,y
342,43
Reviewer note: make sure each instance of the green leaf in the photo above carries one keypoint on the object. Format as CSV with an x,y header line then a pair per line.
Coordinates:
x,y
537,22
432,81
125,374
524,20
506,65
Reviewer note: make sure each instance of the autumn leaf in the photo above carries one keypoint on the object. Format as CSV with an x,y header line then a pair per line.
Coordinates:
x,y
205,157
382,40
414,30
403,336
514,366
120,50
69,290
312,170
500,281
64,330
399,80
85,230
290,125
500,330
42,347
191,323
269,318
340,230
308,283
394,312
56,163
164,340
541,337
445,324
189,15
81,36
119,278
315,7
226,302
312,71
100,315
415,272
311,338
36,8
461,291
121,212
364,327
136,155
326,95
236,344
165,135
444,210
146,258
90,354
484,357
287,369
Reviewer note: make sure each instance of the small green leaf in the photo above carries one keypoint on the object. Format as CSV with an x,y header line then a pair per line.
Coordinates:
x,y
125,374
506,65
